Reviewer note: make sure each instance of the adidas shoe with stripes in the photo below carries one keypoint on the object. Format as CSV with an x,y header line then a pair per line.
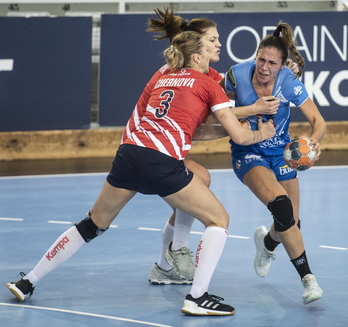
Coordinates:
x,y
22,289
206,305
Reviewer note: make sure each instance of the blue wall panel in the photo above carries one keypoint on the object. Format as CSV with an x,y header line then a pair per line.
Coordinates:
x,y
49,86
129,57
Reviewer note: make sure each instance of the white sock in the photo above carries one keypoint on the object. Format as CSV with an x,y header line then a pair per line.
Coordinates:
x,y
61,250
208,254
167,237
182,228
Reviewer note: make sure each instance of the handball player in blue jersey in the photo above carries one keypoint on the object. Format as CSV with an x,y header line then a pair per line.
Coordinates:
x,y
266,87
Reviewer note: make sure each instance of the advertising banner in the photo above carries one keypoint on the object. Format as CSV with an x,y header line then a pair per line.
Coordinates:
x,y
130,56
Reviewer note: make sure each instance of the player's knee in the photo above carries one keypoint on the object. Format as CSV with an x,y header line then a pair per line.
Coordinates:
x,y
88,229
207,179
222,220
281,209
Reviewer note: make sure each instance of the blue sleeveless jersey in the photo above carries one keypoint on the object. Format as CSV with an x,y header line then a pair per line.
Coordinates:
x,y
238,80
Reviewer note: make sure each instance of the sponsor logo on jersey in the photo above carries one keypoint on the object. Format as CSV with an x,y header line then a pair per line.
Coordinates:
x,y
271,143
238,164
298,90
199,249
176,81
285,170
245,123
182,72
59,246
280,96
231,78
252,157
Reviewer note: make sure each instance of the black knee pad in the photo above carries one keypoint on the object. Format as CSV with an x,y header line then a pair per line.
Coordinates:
x,y
88,229
299,223
281,209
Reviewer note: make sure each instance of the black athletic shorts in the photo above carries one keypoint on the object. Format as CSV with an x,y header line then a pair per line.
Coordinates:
x,y
148,171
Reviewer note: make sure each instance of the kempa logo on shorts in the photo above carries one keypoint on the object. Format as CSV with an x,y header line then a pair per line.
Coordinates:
x,y
60,246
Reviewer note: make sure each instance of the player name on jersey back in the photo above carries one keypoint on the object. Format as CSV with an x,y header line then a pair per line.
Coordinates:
x,y
176,81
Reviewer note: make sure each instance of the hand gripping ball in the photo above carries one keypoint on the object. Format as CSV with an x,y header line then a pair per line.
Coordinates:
x,y
299,155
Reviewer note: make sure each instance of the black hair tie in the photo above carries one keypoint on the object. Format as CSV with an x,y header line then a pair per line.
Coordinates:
x,y
183,25
277,31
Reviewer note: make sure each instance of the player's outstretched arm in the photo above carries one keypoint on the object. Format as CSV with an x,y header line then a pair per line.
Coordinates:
x,y
209,132
240,134
211,129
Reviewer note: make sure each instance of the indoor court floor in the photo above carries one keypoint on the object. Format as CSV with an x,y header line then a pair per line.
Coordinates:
x,y
105,283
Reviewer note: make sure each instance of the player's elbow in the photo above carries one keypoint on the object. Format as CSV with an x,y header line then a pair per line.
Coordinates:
x,y
242,139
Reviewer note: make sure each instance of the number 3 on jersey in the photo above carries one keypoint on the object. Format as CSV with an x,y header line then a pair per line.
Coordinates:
x,y
168,95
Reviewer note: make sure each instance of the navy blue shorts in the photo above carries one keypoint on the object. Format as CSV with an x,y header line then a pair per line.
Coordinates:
x,y
148,171
243,161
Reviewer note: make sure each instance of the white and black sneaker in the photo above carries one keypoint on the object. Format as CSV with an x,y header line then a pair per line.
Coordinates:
x,y
206,305
22,289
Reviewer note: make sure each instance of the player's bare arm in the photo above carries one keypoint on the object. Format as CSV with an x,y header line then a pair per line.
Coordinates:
x,y
240,134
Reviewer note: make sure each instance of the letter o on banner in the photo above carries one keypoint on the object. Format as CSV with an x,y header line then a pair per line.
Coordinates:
x,y
229,42
334,88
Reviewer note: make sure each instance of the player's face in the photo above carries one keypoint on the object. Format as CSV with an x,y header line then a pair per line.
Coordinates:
x,y
204,59
268,64
211,38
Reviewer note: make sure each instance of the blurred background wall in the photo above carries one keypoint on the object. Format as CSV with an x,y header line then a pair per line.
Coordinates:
x,y
70,74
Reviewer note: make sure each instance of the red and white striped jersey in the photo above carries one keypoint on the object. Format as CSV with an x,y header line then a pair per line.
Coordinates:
x,y
140,107
178,104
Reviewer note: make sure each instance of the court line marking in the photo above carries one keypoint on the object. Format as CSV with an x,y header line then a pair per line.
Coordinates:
x,y
227,170
49,221
232,236
332,247
59,222
54,175
85,314
105,173
242,237
192,232
159,230
151,229
11,219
